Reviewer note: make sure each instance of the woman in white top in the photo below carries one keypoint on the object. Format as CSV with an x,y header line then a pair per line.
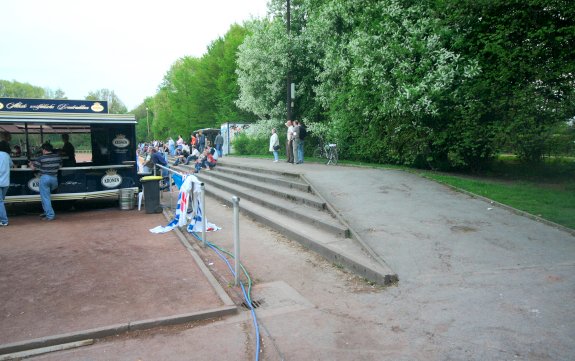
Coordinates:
x,y
274,144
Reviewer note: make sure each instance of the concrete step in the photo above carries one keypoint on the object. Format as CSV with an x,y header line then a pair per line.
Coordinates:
x,y
283,179
248,168
271,186
301,212
314,228
339,250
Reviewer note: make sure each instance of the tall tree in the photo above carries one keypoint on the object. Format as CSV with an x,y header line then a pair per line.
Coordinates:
x,y
262,69
54,94
527,79
201,92
387,78
15,89
115,105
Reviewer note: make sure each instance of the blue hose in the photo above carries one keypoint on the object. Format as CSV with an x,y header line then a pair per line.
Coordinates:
x,y
247,296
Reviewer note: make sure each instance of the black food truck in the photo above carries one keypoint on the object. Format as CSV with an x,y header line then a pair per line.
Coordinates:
x,y
106,166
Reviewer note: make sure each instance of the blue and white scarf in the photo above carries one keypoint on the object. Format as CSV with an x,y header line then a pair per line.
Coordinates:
x,y
189,185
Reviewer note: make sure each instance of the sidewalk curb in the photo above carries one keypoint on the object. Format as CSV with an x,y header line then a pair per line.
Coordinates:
x,y
224,297
113,330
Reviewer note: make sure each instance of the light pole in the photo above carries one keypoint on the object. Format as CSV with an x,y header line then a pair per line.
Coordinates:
x,y
288,80
148,123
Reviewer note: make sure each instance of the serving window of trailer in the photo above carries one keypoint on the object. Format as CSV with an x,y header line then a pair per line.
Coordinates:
x,y
105,153
94,144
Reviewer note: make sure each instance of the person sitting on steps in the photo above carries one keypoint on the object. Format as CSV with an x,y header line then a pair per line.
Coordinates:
x,y
193,156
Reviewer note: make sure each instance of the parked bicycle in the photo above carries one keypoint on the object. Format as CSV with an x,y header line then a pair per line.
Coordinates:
x,y
328,151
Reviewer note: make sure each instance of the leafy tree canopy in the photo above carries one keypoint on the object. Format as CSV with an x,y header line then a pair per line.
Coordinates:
x,y
115,105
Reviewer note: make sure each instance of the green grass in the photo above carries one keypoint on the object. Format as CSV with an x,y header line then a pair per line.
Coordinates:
x,y
555,203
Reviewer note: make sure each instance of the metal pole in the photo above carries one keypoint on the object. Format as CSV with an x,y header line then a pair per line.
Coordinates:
x,y
148,123
170,190
203,201
236,203
288,77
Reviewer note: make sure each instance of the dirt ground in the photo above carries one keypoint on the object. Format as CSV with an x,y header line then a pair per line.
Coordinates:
x,y
92,268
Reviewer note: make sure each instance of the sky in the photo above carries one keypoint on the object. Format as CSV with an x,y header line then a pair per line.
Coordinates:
x,y
127,46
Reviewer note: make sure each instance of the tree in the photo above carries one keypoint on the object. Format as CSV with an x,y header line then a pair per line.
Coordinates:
x,y
144,117
14,89
115,105
525,52
262,69
387,79
201,92
54,94
225,51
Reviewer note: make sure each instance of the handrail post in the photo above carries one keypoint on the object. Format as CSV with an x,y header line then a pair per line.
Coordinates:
x,y
204,222
236,203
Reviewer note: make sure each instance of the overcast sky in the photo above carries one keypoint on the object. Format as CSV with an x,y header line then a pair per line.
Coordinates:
x,y
123,45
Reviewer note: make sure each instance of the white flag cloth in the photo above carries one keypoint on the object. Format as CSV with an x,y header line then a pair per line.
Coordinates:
x,y
191,186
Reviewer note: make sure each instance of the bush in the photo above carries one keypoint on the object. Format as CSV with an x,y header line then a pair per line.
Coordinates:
x,y
244,144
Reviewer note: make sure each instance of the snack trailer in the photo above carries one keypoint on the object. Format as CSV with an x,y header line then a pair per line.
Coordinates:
x,y
106,164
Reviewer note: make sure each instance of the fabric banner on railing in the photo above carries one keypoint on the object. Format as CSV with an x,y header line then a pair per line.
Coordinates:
x,y
189,186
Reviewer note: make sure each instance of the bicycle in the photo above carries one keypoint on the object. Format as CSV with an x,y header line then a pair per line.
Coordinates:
x,y
328,151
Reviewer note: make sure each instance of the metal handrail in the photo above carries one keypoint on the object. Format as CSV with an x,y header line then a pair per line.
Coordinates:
x,y
170,170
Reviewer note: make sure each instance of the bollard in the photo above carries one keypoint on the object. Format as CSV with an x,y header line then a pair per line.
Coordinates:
x,y
204,223
236,203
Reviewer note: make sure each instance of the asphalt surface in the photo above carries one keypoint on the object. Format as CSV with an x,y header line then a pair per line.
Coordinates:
x,y
477,282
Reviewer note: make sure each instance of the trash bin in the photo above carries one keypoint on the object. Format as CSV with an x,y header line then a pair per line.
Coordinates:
x,y
151,185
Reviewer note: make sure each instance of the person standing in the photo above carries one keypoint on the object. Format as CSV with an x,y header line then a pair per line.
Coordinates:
x,y
5,165
5,138
201,141
158,158
172,146
274,144
219,142
68,151
179,142
295,142
302,135
147,164
193,141
289,143
48,165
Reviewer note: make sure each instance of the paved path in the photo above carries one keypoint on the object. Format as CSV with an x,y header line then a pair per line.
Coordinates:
x,y
470,270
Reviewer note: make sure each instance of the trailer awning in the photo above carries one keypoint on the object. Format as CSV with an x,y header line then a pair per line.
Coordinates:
x,y
52,118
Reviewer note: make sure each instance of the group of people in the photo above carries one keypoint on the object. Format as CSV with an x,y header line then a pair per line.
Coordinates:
x,y
197,151
198,141
207,159
46,164
296,134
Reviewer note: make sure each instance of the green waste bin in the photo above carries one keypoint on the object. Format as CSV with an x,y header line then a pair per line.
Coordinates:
x,y
151,185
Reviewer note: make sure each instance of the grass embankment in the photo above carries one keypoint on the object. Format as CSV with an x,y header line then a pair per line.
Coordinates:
x,y
545,189
555,203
